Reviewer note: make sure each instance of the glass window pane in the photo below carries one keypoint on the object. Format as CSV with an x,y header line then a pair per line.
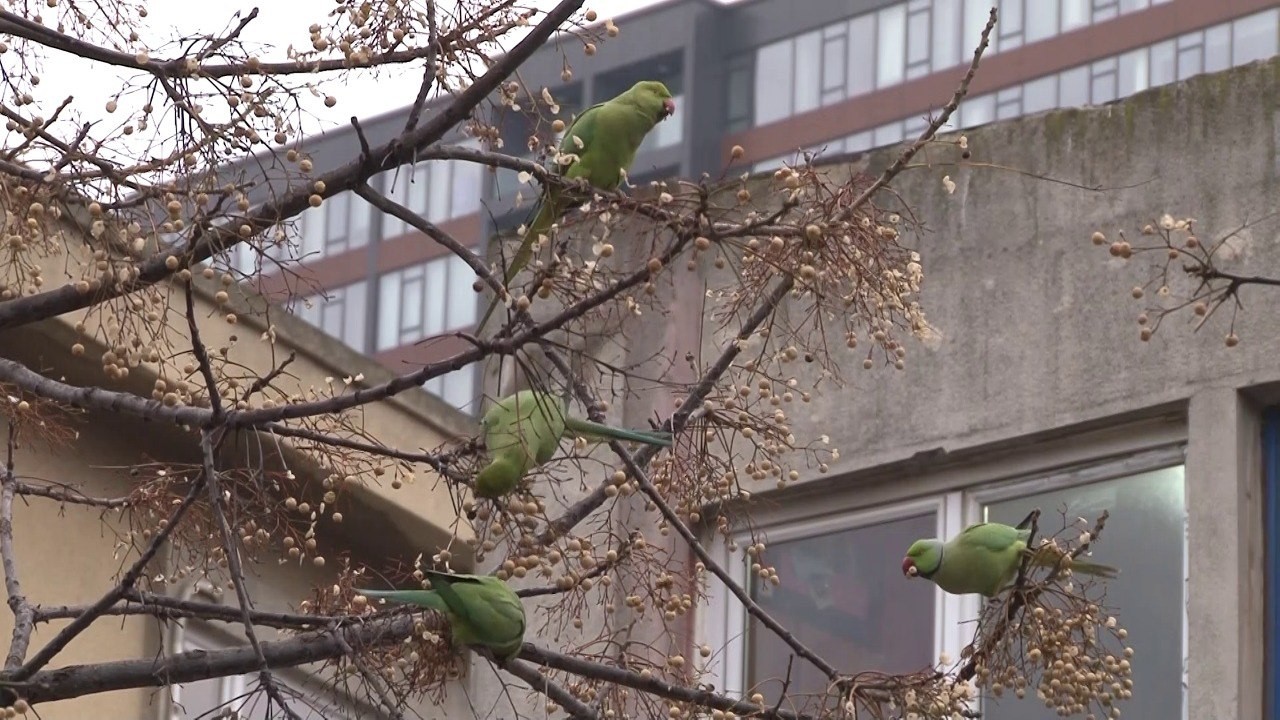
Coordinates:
x,y
773,71
313,232
1009,29
808,71
1254,37
1162,63
357,311
1146,539
978,110
833,64
858,142
1040,94
887,134
459,387
1073,87
433,297
359,222
1104,10
1042,20
976,13
1217,48
411,305
331,314
461,298
336,214
946,33
843,594
467,177
890,46
1133,72
918,39
1127,6
1075,14
862,54
388,311
438,191
1189,62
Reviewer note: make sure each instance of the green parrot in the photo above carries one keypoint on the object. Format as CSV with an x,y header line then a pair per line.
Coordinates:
x,y
984,558
482,610
599,144
523,430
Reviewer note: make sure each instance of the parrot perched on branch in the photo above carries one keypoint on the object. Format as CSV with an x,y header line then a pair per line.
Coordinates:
x,y
482,610
597,147
984,558
523,430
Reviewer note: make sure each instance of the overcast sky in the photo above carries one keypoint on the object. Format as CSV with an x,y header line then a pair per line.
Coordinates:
x,y
279,23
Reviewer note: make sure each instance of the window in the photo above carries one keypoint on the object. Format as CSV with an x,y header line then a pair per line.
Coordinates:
x,y
843,596
978,110
342,223
424,300
1103,88
458,388
1039,95
1271,500
341,312
1149,544
773,71
1133,72
438,190
738,105
947,39
841,591
862,54
1254,37
891,45
919,42
807,78
1042,20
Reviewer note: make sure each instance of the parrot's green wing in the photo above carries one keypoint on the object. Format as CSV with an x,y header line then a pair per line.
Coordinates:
x,y
521,431
993,536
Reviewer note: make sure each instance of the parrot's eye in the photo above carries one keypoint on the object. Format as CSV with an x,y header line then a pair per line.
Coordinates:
x,y
909,567
913,571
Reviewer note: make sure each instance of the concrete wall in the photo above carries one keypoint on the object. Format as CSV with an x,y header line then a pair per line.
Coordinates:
x,y
1039,341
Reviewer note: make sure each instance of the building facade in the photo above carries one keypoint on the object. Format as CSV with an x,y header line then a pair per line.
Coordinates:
x,y
774,76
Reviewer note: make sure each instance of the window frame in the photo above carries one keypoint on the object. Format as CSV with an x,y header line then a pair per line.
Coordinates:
x,y
958,502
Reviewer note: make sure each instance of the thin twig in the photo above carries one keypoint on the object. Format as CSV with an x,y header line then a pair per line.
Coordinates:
x,y
541,683
234,567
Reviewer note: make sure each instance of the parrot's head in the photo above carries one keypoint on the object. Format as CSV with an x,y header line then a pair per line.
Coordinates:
x,y
923,558
655,97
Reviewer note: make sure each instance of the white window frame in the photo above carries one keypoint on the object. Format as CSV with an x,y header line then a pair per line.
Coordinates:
x,y
957,497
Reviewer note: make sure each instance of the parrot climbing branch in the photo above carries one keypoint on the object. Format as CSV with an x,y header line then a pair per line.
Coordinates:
x,y
523,431
598,148
483,611
1021,597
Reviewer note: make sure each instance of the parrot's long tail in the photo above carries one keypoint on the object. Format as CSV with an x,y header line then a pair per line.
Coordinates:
x,y
542,219
421,598
595,430
1046,559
